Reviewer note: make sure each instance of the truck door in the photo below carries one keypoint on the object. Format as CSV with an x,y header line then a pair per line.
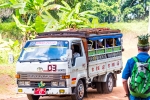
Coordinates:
x,y
79,64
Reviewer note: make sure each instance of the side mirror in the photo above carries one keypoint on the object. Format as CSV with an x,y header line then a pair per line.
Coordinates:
x,y
69,53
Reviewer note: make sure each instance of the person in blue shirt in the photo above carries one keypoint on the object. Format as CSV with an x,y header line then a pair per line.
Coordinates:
x,y
143,48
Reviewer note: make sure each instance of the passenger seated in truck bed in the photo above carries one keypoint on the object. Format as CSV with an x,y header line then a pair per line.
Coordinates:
x,y
110,42
100,43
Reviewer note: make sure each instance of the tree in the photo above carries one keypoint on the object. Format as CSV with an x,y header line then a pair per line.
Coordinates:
x,y
138,9
73,17
28,15
5,12
106,10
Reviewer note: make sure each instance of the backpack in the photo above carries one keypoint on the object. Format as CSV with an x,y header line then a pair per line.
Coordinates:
x,y
139,85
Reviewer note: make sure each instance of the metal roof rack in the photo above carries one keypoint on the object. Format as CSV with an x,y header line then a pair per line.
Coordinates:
x,y
83,33
62,34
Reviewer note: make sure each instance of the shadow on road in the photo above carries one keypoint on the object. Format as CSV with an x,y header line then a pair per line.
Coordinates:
x,y
54,98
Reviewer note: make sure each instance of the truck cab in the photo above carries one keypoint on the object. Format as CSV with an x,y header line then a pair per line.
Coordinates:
x,y
68,62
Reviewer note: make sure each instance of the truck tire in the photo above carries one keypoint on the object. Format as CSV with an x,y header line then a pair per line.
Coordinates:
x,y
33,97
79,90
107,86
99,87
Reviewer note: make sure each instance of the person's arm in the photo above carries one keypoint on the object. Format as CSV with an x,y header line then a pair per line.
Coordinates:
x,y
125,86
125,75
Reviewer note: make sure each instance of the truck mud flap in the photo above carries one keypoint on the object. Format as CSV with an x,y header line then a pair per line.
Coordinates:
x,y
73,97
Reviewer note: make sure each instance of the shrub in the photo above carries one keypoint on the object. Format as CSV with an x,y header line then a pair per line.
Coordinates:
x,y
10,30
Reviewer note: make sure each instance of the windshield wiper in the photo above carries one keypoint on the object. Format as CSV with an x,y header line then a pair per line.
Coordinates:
x,y
55,59
37,60
32,60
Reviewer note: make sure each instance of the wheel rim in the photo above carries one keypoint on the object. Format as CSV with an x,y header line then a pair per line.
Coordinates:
x,y
81,91
110,83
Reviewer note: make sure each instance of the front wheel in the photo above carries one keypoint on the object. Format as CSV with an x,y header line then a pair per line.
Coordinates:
x,y
33,97
79,90
107,86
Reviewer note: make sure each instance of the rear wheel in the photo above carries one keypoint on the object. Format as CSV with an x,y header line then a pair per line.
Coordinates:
x,y
79,90
107,86
33,97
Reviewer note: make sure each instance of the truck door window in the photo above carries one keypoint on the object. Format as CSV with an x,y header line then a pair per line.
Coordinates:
x,y
76,51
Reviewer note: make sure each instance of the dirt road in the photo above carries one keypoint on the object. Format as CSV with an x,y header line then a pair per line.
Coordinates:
x,y
117,94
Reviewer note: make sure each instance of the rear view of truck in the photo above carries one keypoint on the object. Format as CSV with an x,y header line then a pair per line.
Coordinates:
x,y
48,66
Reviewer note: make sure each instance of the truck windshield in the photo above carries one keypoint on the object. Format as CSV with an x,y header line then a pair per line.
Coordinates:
x,y
43,50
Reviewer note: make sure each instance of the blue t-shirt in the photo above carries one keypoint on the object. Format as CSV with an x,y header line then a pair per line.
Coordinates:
x,y
128,70
143,56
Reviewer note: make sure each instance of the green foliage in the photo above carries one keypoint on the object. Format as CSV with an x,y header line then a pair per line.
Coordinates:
x,y
10,29
71,3
28,16
3,57
105,10
143,37
39,25
135,8
135,27
73,17
95,23
51,24
9,46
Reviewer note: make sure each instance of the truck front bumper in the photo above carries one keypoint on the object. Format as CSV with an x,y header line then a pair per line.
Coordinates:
x,y
49,91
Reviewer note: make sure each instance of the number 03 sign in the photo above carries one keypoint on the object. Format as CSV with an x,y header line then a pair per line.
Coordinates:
x,y
52,68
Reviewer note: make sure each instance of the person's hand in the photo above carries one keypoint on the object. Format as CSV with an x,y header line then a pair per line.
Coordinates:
x,y
127,96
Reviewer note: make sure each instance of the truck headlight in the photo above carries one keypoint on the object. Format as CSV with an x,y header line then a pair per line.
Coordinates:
x,y
27,83
24,83
62,84
54,83
21,83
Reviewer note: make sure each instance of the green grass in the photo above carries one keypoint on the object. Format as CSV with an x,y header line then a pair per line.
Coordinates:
x,y
135,27
3,57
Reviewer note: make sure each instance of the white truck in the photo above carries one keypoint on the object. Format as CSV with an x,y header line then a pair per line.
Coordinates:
x,y
47,65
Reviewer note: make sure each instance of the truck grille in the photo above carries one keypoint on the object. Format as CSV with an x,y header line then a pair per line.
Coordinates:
x,y
47,84
41,76
35,84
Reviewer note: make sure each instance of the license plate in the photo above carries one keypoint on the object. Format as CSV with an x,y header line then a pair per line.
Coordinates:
x,y
40,91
